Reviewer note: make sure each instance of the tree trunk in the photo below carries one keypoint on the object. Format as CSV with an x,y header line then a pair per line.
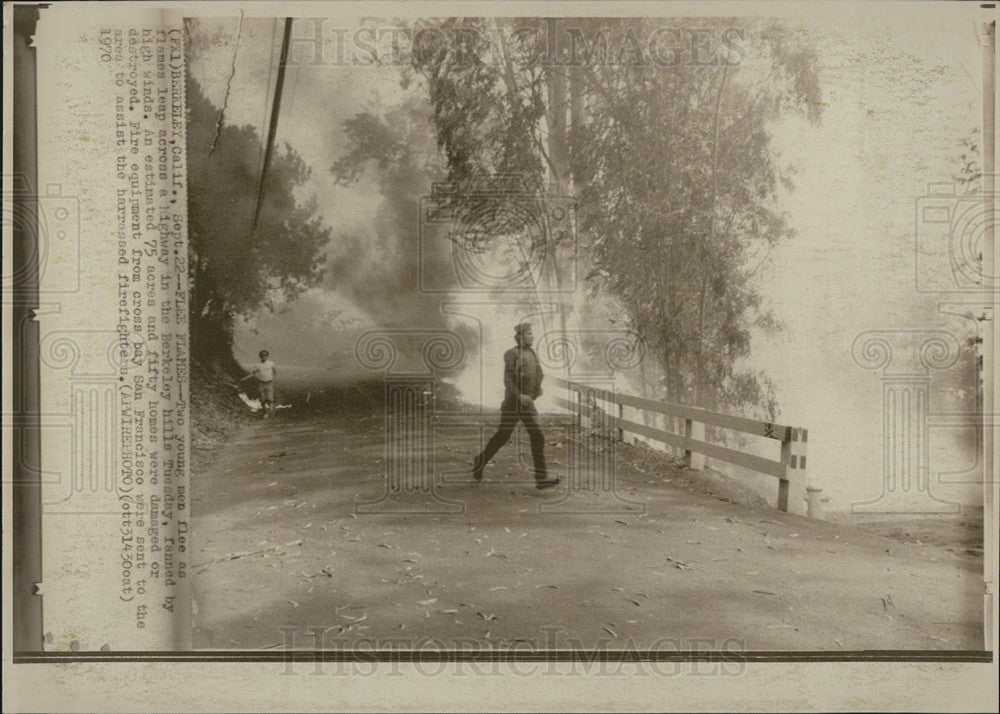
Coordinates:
x,y
555,115
699,384
211,337
576,118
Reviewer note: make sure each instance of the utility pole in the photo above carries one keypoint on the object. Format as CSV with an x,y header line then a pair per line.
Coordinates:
x,y
273,124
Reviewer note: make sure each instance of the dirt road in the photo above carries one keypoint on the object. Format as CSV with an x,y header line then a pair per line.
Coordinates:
x,y
280,544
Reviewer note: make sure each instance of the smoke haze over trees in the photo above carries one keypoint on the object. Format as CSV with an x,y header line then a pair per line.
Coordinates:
x,y
378,266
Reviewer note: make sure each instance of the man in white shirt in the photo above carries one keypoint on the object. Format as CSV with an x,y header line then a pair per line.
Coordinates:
x,y
265,372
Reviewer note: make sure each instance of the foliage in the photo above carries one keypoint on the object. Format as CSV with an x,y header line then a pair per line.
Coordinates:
x,y
486,113
671,163
679,196
970,172
970,175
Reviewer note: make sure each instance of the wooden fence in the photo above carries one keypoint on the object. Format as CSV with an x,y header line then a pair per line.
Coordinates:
x,y
789,469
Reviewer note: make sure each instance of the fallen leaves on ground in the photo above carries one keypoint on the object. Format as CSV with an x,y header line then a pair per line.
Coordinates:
x,y
680,564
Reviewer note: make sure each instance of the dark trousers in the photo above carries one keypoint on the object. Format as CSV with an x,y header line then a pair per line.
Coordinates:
x,y
508,422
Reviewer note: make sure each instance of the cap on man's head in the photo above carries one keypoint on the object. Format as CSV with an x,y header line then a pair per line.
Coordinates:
x,y
262,353
522,328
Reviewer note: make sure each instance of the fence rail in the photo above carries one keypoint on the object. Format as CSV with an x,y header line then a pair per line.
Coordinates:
x,y
789,468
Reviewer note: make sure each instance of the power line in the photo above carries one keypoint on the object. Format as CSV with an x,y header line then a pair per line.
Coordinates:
x,y
295,86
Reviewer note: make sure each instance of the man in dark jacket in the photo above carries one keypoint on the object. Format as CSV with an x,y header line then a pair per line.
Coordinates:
x,y
522,378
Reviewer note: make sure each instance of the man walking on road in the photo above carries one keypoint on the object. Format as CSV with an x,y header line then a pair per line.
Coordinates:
x,y
522,378
265,373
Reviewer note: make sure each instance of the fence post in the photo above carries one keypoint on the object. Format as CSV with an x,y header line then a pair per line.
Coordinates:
x,y
792,487
621,416
692,459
